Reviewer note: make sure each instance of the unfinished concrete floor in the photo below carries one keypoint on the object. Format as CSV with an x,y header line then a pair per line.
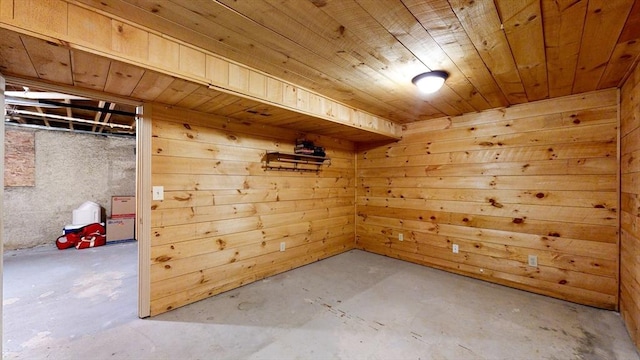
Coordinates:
x,y
81,304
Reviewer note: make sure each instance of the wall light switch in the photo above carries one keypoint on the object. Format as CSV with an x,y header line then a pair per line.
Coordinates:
x,y
401,236
158,193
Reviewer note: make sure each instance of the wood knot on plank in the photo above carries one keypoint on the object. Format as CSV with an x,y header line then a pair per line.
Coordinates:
x,y
518,220
221,244
178,198
495,203
163,258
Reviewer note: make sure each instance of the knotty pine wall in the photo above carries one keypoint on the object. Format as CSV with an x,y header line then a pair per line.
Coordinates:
x,y
630,204
534,179
223,216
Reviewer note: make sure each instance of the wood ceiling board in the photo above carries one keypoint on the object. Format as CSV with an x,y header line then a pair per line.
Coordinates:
x,y
396,83
353,50
604,23
314,64
440,21
626,52
481,22
522,21
247,51
123,78
13,56
151,85
563,21
51,61
400,22
217,102
177,91
198,97
624,56
89,70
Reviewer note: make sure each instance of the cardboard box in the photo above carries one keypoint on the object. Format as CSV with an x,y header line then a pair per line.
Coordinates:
x,y
121,229
123,206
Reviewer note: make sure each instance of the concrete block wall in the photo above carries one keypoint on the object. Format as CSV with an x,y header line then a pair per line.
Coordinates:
x,y
71,168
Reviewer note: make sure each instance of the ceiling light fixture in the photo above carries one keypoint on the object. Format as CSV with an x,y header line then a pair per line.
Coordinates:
x,y
431,81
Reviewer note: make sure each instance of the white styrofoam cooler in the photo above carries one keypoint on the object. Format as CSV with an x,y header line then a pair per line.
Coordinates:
x,y
87,213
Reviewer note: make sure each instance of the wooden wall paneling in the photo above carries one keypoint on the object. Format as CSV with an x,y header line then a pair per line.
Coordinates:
x,y
630,205
89,26
223,214
563,22
493,183
49,16
243,272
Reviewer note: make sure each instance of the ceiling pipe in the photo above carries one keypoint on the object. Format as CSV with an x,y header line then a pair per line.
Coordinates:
x,y
66,118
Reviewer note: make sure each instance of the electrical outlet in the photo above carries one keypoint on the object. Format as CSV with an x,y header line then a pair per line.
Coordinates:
x,y
401,237
533,260
158,193
455,249
283,246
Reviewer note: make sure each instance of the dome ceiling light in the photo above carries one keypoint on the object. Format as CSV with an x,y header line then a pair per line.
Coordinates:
x,y
431,81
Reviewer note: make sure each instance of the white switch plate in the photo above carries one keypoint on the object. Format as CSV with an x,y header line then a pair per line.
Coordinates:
x,y
455,249
401,236
283,246
533,260
158,193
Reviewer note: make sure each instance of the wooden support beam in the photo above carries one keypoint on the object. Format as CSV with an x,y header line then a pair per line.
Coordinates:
x,y
76,26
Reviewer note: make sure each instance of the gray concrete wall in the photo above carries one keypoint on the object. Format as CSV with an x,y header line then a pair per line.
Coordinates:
x,y
70,169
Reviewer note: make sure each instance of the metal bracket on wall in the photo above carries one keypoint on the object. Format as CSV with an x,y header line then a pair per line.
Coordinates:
x,y
294,162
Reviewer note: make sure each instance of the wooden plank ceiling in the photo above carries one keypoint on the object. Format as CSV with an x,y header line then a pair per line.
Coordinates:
x,y
25,59
363,53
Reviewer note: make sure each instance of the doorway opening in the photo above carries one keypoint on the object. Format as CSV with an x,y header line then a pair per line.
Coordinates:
x,y
62,150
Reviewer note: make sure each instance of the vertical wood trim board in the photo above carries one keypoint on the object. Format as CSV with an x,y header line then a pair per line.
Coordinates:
x,y
143,204
2,88
630,204
224,216
534,179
